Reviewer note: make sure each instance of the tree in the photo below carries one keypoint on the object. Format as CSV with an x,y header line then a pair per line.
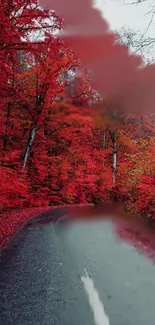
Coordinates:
x,y
138,41
21,23
44,83
30,48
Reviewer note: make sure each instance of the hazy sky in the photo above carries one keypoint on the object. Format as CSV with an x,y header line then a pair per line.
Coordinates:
x,y
134,16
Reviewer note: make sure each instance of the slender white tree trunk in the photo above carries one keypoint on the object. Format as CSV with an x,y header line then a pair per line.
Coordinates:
x,y
114,157
113,136
104,143
40,97
29,145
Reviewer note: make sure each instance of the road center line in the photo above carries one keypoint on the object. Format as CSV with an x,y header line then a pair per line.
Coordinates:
x,y
96,304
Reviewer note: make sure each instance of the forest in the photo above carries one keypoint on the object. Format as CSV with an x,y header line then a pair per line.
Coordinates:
x,y
59,145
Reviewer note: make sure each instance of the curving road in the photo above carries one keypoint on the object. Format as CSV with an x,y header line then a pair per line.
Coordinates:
x,y
77,274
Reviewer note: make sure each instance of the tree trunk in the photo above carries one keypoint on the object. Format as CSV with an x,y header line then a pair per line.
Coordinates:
x,y
29,145
104,140
114,157
113,136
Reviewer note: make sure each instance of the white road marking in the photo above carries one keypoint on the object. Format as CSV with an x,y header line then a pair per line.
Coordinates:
x,y
96,304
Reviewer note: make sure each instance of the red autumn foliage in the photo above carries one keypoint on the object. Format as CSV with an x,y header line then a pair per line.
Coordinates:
x,y
11,221
58,143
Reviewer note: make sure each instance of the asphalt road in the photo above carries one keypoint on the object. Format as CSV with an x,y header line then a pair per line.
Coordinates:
x,y
74,275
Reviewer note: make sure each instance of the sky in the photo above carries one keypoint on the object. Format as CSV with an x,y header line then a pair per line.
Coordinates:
x,y
120,14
